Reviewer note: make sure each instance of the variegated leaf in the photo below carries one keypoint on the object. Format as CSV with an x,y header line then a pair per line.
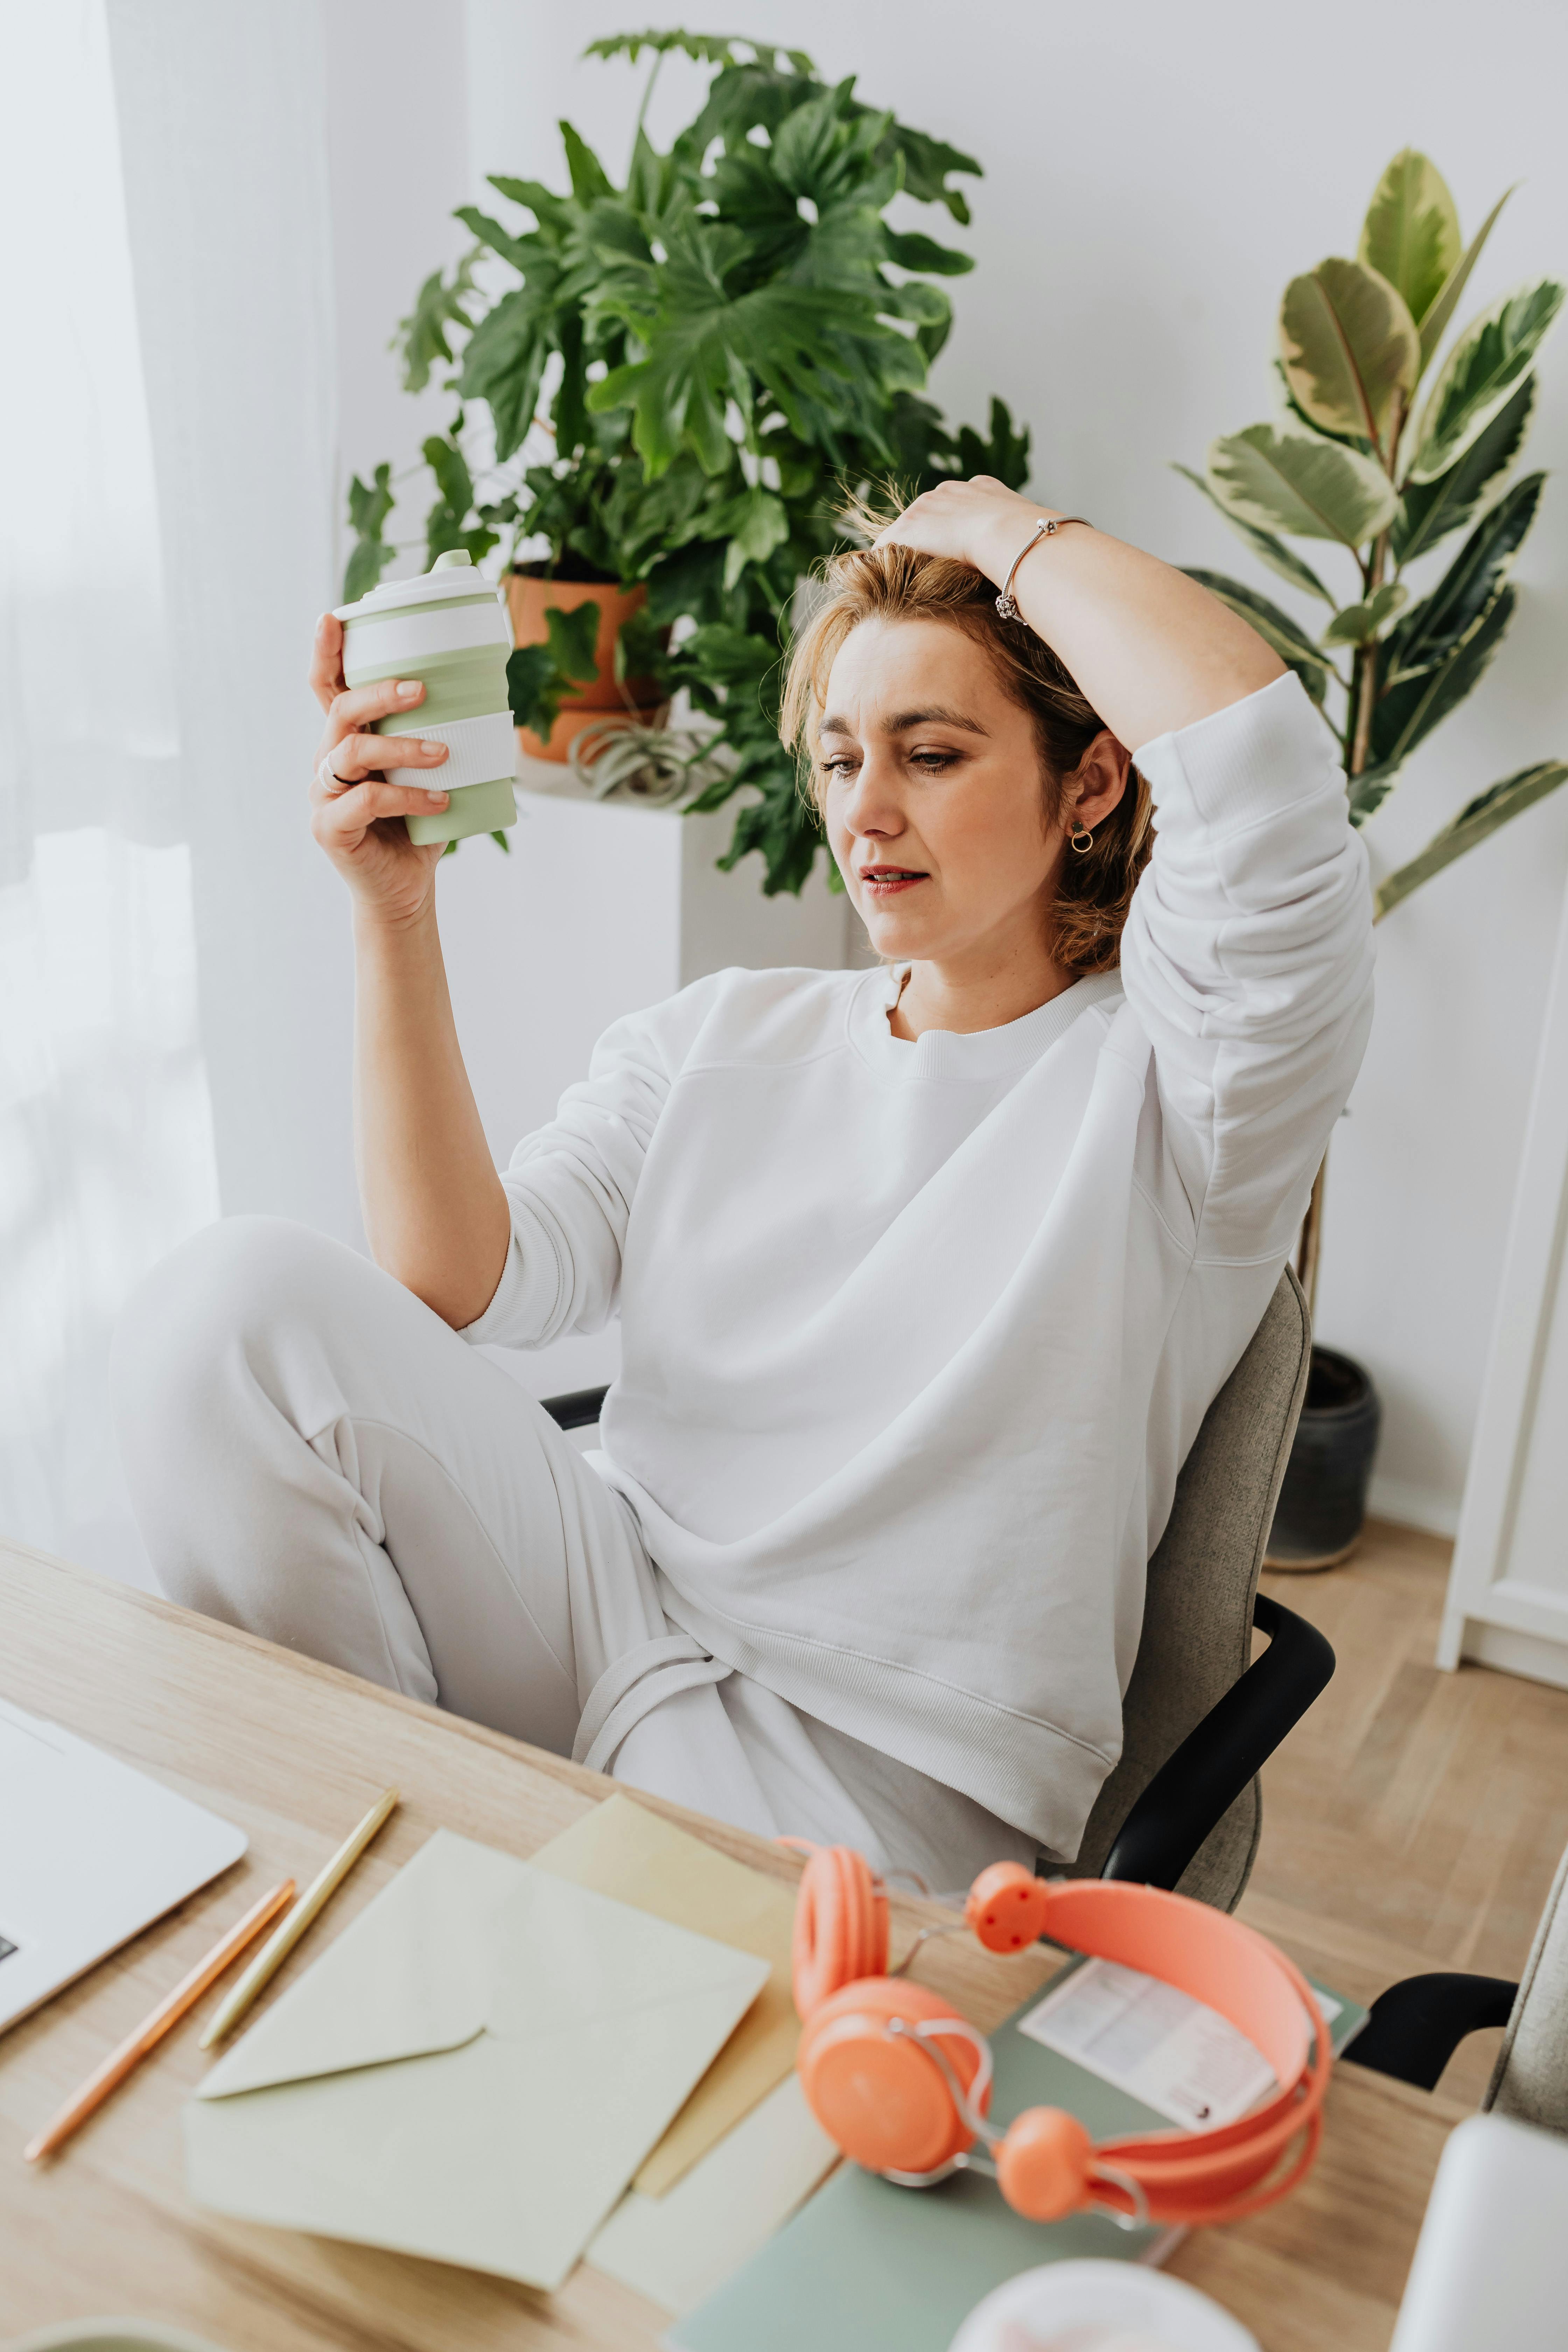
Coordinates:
x,y
1350,348
1358,624
1265,546
1434,323
1480,372
1483,815
1289,481
1411,234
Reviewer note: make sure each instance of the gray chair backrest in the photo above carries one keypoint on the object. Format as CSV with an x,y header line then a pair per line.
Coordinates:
x,y
1197,1616
1531,2078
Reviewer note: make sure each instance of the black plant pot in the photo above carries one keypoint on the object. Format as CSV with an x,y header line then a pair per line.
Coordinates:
x,y
1322,1502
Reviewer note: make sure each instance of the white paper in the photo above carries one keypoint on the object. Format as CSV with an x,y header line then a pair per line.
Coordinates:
x,y
1175,2054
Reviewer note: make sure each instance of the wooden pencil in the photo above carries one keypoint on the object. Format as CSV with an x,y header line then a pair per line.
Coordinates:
x,y
278,1946
152,2030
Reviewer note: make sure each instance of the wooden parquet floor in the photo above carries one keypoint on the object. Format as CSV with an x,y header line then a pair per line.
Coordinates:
x,y
1414,1818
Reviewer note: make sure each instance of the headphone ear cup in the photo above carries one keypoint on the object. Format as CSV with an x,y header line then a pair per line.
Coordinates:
x,y
841,1926
879,2095
1006,1907
1042,2164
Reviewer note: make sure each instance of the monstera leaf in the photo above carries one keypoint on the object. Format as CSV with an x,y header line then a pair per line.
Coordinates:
x,y
825,360
1350,349
1479,372
1411,234
1289,481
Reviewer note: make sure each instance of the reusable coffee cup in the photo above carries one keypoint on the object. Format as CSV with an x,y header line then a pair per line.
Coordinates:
x,y
448,628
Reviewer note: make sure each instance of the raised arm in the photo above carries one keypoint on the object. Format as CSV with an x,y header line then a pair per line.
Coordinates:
x,y
1151,649
435,1210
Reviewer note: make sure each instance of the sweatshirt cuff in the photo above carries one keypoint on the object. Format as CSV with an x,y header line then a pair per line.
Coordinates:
x,y
1247,761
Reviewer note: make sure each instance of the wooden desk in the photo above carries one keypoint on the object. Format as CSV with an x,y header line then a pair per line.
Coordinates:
x,y
295,1752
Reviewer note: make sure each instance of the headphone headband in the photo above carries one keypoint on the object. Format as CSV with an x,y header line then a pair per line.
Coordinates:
x,y
879,2075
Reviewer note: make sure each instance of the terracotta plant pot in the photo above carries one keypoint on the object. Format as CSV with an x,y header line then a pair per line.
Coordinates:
x,y
1322,1502
528,599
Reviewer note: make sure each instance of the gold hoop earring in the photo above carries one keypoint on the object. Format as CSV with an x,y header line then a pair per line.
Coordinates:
x,y
1081,839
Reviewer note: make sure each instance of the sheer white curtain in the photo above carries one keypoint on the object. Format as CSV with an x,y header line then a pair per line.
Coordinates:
x,y
173,998
106,1147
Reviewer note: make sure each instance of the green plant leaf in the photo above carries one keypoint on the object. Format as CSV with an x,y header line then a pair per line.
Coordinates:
x,y
1349,348
369,507
423,335
1429,510
909,250
753,524
1411,234
573,637
1275,627
1288,481
1430,629
1480,373
505,360
1406,713
533,687
1263,543
1446,303
817,349
589,178
1360,624
1481,817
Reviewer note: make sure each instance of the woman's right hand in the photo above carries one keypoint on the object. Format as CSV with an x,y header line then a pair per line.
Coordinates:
x,y
357,806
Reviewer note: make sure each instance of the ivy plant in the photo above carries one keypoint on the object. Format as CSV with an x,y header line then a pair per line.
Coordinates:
x,y
1384,448
711,354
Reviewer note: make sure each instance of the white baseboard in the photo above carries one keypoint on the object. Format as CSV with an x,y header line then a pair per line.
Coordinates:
x,y
1414,1506
1529,1654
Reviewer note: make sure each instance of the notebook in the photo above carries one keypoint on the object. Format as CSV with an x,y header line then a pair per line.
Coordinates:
x,y
867,2265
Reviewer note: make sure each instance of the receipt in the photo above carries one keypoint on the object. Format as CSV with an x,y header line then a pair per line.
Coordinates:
x,y
1175,2054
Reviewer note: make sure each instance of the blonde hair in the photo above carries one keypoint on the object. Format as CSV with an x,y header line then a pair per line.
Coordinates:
x,y
895,583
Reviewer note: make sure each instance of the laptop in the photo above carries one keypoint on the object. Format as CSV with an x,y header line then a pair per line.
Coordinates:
x,y
90,1854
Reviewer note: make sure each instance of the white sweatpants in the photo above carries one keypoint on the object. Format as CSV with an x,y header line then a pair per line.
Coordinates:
x,y
315,1456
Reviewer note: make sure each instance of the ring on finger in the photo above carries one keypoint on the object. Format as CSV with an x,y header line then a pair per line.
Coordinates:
x,y
327,776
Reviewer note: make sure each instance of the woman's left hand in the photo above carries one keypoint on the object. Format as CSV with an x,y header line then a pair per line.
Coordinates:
x,y
982,522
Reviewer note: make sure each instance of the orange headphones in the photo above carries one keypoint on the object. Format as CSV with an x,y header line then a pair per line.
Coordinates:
x,y
902,2083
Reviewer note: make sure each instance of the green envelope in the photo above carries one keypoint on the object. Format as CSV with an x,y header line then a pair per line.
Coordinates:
x,y
865,2267
473,2070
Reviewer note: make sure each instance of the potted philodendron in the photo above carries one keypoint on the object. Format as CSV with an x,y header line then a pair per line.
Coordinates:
x,y
667,388
1387,445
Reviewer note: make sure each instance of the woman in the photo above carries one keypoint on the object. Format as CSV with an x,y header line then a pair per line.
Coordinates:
x,y
926,1275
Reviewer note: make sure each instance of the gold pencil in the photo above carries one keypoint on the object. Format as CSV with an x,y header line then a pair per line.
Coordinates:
x,y
152,2029
278,1946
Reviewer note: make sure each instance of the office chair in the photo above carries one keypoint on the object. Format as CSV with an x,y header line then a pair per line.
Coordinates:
x,y
1414,2029
1183,1806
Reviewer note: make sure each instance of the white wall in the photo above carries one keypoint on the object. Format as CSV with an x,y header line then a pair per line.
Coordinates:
x,y
1152,178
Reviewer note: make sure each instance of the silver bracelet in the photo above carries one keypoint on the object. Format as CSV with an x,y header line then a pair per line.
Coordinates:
x,y
1047,528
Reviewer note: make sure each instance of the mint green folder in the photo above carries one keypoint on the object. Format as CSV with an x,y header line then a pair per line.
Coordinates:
x,y
865,2267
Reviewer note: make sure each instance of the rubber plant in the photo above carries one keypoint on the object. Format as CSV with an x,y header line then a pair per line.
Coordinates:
x,y
676,381
1386,447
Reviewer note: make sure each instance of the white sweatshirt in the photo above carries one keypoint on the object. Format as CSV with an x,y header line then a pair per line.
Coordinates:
x,y
916,1337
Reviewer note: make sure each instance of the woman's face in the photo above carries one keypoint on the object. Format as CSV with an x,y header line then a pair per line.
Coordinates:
x,y
935,798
